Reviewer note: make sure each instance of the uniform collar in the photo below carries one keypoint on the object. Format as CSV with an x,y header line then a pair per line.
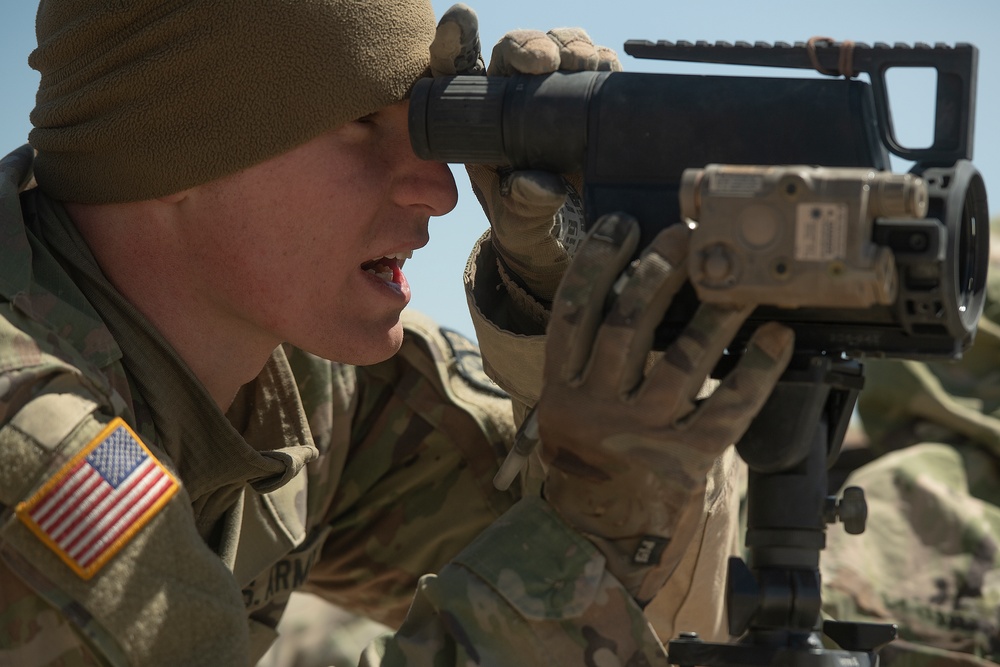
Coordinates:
x,y
15,174
33,279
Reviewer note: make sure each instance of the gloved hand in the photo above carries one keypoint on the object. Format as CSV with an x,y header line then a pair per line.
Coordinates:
x,y
522,206
456,48
628,445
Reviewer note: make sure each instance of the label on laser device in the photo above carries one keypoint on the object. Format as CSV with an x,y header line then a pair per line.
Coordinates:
x,y
735,183
820,232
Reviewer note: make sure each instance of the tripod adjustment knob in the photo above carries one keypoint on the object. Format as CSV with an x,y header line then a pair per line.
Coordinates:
x,y
851,510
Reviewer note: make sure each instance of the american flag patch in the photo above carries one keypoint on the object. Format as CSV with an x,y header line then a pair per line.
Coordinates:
x,y
99,500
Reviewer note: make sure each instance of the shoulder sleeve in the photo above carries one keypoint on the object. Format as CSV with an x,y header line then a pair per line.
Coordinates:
x,y
32,632
88,509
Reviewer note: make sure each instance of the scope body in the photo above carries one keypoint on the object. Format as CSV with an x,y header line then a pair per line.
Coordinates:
x,y
633,135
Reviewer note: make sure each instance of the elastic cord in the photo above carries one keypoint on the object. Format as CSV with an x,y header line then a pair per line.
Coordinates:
x,y
845,58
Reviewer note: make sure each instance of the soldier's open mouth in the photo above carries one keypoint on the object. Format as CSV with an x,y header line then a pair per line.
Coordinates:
x,y
387,268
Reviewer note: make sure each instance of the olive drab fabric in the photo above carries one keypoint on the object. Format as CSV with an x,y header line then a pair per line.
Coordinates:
x,y
130,93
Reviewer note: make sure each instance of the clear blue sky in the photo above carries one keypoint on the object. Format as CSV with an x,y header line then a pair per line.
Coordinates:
x,y
435,272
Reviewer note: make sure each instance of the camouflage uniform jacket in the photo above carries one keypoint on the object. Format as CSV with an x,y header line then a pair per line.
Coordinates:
x,y
139,525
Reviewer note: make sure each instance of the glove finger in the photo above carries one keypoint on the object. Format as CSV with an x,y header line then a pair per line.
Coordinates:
x,y
456,47
579,303
675,380
607,60
525,232
624,341
577,52
725,415
524,52
520,205
534,193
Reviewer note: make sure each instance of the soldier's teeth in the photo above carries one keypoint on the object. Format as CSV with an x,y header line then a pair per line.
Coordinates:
x,y
384,275
400,258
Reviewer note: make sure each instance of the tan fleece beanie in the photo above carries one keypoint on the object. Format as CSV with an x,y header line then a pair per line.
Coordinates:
x,y
143,98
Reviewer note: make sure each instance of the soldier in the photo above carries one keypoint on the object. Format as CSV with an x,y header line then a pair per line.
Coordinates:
x,y
211,395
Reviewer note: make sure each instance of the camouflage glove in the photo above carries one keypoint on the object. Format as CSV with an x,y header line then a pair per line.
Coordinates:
x,y
628,445
523,206
456,48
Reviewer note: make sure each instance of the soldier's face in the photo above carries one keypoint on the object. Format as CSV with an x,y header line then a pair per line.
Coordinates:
x,y
308,246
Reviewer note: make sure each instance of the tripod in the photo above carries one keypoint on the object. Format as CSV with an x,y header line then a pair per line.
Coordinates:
x,y
774,601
